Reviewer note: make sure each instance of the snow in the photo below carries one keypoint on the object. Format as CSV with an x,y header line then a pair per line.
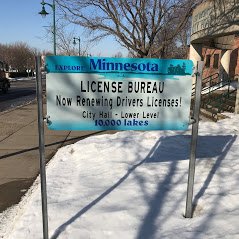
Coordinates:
x,y
21,78
233,86
133,184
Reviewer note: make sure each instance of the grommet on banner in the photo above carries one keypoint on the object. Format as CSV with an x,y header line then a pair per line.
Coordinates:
x,y
47,120
192,121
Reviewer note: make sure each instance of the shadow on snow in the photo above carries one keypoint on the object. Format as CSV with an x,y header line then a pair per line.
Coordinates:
x,y
170,149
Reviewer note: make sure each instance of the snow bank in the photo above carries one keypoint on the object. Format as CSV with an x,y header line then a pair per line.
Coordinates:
x,y
133,185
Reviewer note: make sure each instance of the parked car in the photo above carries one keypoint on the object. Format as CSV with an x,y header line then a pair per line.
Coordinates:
x,y
4,84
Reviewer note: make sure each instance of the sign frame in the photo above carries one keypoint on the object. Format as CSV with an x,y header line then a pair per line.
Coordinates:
x,y
41,119
103,93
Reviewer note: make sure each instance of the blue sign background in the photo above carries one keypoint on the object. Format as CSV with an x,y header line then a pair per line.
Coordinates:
x,y
69,77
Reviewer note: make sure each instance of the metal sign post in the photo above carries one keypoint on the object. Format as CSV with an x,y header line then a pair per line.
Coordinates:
x,y
191,173
41,147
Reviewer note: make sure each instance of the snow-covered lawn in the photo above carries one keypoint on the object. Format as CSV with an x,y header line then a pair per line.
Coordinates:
x,y
21,78
132,185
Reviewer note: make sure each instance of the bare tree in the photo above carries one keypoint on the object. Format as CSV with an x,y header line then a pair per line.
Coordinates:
x,y
183,41
118,54
177,47
65,34
135,24
65,39
18,55
4,54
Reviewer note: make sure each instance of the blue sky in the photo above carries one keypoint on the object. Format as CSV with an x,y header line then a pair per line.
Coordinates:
x,y
20,21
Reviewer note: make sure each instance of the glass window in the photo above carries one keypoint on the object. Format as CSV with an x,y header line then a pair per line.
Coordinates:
x,y
208,58
216,61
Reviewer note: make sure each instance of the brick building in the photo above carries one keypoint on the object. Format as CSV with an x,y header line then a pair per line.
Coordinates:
x,y
215,37
212,59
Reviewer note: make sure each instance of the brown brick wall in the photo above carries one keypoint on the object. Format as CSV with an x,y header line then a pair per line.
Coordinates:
x,y
234,61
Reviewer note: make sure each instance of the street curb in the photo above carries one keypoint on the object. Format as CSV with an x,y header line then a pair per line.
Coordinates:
x,y
18,107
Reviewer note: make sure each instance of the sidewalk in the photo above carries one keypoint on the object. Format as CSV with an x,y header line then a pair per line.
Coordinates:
x,y
19,153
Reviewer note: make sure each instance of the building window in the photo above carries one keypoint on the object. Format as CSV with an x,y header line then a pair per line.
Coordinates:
x,y
216,61
207,63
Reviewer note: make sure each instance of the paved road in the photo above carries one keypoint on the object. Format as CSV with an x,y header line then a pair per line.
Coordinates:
x,y
19,153
21,92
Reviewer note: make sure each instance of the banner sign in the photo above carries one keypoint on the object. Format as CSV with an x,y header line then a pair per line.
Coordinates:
x,y
98,93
